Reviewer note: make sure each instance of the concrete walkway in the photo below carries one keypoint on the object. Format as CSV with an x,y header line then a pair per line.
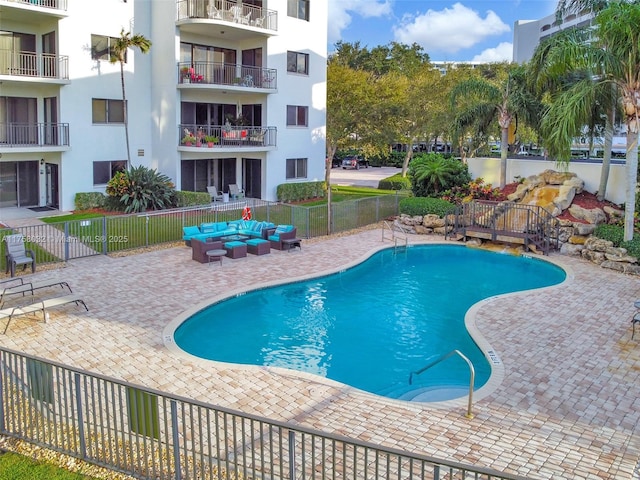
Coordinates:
x,y
565,407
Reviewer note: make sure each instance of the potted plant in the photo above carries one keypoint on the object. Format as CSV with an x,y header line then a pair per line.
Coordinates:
x,y
185,74
211,140
188,140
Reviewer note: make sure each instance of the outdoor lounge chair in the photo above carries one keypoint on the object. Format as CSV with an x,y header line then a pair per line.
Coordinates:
x,y
16,254
215,195
39,306
235,191
25,287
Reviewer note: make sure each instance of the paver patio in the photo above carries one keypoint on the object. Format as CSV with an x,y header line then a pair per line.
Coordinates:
x,y
566,406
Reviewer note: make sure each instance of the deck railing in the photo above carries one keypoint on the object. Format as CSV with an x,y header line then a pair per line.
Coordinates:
x,y
227,135
31,64
54,4
229,11
34,134
216,73
150,434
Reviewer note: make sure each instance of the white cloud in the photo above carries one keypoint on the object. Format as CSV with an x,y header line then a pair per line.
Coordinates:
x,y
340,14
503,52
449,30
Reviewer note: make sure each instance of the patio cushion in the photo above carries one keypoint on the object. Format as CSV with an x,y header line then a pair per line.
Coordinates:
x,y
190,231
283,229
234,244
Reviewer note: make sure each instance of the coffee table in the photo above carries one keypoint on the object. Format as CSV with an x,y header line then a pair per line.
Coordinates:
x,y
216,254
235,238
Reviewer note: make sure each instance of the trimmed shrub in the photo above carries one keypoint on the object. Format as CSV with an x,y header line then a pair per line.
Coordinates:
x,y
395,182
392,159
425,205
187,199
89,200
296,192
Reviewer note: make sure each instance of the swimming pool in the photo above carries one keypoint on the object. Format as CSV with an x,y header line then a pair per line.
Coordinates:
x,y
370,326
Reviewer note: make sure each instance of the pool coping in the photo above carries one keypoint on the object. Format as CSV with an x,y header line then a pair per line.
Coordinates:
x,y
496,376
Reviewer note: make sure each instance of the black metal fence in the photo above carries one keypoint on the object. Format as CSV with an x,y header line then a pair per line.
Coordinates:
x,y
149,434
63,241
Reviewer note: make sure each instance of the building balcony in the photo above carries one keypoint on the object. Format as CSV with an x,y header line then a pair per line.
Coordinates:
x,y
33,67
221,76
237,21
33,11
29,137
227,137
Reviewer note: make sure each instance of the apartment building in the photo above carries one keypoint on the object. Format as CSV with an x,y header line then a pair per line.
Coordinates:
x,y
248,75
527,34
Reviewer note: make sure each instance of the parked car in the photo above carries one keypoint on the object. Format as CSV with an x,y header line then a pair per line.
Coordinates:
x,y
336,162
354,162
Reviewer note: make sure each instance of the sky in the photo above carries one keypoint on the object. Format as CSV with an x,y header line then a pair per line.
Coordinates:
x,y
447,30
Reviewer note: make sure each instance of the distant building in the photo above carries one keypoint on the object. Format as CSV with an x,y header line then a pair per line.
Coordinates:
x,y
527,34
251,73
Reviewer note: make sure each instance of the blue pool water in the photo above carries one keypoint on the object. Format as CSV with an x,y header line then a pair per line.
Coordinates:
x,y
369,326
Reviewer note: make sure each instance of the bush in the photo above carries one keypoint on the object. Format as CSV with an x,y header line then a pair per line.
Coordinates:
x,y
187,199
141,188
424,206
431,174
89,200
613,233
474,190
295,192
392,159
395,182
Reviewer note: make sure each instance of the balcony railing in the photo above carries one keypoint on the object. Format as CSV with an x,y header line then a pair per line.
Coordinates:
x,y
213,73
228,11
34,134
228,136
31,64
54,4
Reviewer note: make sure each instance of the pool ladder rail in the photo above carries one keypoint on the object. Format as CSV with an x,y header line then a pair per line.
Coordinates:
x,y
399,241
472,375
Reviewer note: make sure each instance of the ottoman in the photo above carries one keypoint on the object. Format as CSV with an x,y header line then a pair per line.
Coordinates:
x,y
258,246
236,249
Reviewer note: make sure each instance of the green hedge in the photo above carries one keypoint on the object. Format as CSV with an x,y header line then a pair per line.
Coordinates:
x,y
395,182
89,200
425,205
187,199
392,159
295,192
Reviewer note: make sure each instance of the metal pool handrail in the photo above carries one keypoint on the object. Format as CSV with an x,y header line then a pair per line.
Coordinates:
x,y
472,371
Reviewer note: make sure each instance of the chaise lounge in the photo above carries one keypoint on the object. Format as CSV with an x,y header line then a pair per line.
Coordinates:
x,y
23,287
40,306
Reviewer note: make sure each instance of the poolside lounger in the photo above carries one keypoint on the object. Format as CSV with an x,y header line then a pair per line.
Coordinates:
x,y
29,287
39,306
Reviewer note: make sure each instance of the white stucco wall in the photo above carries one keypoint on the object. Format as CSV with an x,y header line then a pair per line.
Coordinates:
x,y
489,170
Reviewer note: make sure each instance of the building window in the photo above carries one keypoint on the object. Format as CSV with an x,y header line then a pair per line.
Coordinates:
x,y
298,9
296,168
297,116
107,111
104,171
298,62
102,47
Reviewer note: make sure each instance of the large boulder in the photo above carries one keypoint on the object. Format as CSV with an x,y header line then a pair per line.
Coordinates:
x,y
551,177
595,216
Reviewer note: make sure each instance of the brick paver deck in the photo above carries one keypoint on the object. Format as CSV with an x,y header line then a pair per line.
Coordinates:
x,y
566,406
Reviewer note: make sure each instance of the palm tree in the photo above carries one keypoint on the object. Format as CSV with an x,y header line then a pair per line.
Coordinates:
x,y
553,78
614,58
119,54
479,102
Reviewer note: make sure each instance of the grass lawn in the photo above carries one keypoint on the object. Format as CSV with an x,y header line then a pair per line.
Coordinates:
x,y
341,194
18,467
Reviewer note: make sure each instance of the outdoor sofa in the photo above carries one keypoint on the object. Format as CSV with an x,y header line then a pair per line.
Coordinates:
x,y
282,232
250,228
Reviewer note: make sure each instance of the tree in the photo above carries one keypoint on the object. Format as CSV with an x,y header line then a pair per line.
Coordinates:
x,y
119,54
593,102
613,55
479,102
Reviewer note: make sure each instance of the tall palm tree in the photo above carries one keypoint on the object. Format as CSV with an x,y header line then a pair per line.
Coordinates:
x,y
553,78
613,55
479,102
119,54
